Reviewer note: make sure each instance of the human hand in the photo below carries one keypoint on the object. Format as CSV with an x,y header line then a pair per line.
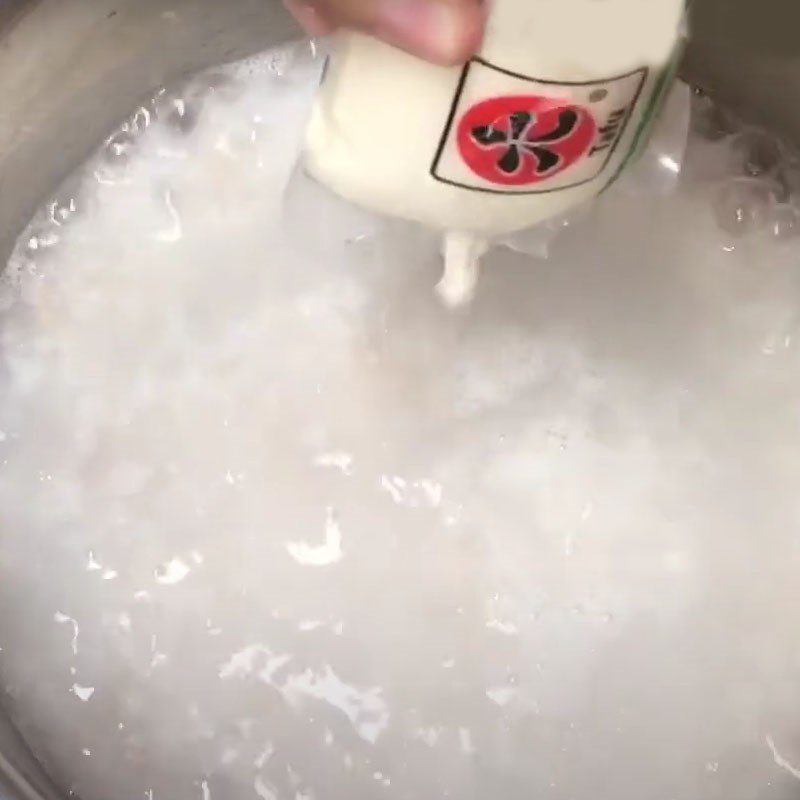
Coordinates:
x,y
442,31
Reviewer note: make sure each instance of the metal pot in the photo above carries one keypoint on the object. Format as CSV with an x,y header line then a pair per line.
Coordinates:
x,y
70,70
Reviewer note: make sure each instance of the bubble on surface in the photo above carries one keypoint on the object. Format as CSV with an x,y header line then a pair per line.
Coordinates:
x,y
785,221
756,153
711,120
743,206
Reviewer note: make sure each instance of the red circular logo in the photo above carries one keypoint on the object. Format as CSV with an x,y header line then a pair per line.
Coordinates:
x,y
520,140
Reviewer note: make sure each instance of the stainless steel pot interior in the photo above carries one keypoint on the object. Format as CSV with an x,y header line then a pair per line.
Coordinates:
x,y
71,69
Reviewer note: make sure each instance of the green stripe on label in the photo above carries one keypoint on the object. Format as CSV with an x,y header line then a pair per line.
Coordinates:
x,y
655,104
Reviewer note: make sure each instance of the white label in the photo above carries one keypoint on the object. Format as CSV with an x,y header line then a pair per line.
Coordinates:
x,y
511,134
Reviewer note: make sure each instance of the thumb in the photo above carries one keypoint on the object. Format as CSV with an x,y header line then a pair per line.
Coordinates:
x,y
441,31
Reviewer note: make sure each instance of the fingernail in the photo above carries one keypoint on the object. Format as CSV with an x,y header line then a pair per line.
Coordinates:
x,y
434,30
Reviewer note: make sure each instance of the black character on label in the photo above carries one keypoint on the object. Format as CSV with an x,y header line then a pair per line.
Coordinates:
x,y
516,136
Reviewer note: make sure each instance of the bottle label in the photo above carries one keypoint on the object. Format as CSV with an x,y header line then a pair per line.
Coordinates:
x,y
512,134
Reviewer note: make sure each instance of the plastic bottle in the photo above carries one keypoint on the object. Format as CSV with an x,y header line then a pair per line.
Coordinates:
x,y
544,117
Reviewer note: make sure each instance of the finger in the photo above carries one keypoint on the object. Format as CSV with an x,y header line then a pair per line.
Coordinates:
x,y
313,21
442,31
